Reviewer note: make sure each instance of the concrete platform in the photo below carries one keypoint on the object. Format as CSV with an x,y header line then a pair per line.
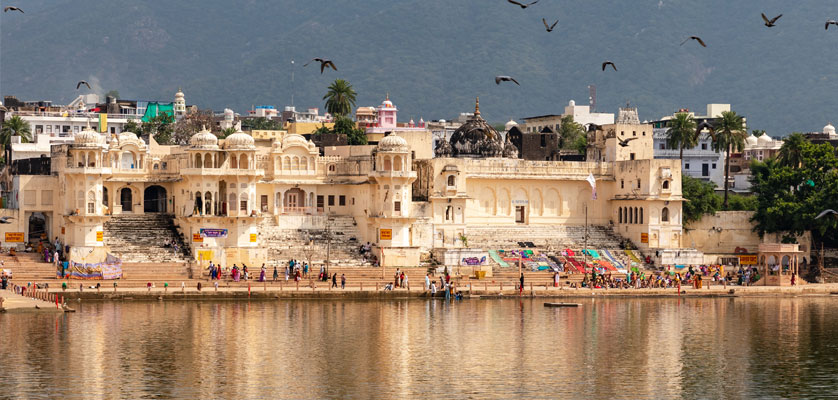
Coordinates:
x,y
15,303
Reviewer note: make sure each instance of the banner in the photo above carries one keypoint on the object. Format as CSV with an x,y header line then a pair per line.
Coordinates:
x,y
748,260
197,238
14,237
591,180
213,233
103,123
644,238
109,270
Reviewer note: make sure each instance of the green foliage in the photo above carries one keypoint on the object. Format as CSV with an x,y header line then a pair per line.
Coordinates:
x,y
790,153
728,135
758,132
160,127
340,98
226,132
345,126
323,129
571,135
261,124
581,144
112,93
681,133
14,126
701,198
738,202
132,126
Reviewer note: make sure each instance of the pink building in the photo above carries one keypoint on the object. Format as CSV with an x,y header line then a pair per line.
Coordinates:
x,y
386,119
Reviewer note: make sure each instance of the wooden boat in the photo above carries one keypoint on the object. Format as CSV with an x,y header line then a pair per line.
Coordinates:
x,y
562,304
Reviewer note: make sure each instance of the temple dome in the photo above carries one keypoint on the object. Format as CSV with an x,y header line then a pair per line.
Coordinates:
x,y
393,143
765,140
294,140
203,140
239,141
127,137
476,138
829,129
86,138
751,140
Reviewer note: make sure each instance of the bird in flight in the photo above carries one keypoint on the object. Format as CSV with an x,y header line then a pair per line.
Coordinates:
x,y
324,63
549,27
625,142
522,5
78,85
825,212
770,22
830,22
504,78
696,38
607,63
6,220
12,8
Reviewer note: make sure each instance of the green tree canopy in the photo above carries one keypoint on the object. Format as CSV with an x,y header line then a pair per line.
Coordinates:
x,y
14,126
160,127
572,135
681,133
261,123
340,98
790,153
701,198
728,136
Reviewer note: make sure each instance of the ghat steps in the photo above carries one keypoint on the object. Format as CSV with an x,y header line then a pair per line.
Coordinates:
x,y
140,239
543,236
303,244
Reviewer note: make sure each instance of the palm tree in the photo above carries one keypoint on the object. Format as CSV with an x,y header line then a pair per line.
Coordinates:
x,y
681,133
14,126
340,99
728,135
790,152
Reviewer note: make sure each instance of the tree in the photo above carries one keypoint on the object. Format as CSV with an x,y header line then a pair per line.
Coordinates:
x,y
729,136
226,132
570,133
14,126
701,198
340,98
160,127
681,133
112,93
132,126
260,123
191,124
790,152
346,126
758,132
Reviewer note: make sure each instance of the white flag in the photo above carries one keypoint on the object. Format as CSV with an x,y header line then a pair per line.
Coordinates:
x,y
592,181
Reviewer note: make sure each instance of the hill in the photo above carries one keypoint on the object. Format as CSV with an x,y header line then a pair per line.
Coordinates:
x,y
434,56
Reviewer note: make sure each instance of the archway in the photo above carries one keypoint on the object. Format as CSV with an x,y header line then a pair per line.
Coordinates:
x,y
37,227
126,198
154,199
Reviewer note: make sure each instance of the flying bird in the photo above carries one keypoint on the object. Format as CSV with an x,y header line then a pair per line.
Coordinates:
x,y
78,85
770,22
830,22
12,8
696,38
549,27
324,63
825,212
521,4
5,220
625,143
607,63
504,78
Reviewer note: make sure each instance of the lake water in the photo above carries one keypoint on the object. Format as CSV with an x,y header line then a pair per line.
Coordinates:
x,y
306,349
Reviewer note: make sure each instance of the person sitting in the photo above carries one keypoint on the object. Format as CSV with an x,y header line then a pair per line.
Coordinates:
x,y
388,286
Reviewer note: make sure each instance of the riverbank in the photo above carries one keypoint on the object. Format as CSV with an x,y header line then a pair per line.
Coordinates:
x,y
15,303
473,291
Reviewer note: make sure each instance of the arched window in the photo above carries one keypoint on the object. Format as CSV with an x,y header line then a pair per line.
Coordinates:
x,y
631,216
208,161
641,215
91,202
665,185
243,162
243,205
636,221
304,163
91,160
233,162
286,163
198,163
452,180
332,168
295,163
388,165
620,215
397,163
665,214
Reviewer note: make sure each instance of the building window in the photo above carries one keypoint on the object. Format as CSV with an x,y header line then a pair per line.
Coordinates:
x,y
543,140
687,166
714,165
342,201
331,200
665,185
622,184
704,146
634,133
452,180
631,156
665,214
638,183
662,146
353,201
397,206
331,167
641,215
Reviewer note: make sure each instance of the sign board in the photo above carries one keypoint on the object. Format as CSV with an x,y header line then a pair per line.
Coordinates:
x,y
254,237
385,234
205,255
213,233
644,238
62,230
100,236
197,238
748,260
14,237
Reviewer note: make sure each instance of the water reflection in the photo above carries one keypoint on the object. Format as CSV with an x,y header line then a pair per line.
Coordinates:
x,y
608,348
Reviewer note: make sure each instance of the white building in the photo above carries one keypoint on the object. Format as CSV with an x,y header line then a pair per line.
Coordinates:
x,y
701,161
581,115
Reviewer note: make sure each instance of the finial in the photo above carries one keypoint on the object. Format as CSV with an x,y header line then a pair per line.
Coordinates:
x,y
387,98
477,106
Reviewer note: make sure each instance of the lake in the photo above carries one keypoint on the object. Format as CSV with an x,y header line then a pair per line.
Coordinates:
x,y
306,349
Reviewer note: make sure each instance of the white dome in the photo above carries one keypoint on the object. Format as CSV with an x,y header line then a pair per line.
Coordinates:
x,y
239,141
571,103
829,129
179,95
765,140
393,143
511,124
87,138
295,140
203,140
128,138
751,140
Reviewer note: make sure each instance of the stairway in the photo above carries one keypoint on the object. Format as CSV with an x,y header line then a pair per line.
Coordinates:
x,y
285,244
543,236
140,239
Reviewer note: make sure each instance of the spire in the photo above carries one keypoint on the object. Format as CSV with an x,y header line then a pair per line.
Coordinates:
x,y
387,97
477,106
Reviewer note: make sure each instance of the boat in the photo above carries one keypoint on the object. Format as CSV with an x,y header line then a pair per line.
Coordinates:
x,y
562,304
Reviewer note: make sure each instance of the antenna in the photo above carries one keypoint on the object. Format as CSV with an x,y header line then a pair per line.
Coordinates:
x,y
592,97
292,83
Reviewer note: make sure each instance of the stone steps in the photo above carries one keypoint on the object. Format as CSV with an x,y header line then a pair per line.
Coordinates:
x,y
140,238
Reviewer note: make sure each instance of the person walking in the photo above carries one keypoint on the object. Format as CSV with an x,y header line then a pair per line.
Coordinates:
x,y
276,273
405,282
521,285
427,282
335,280
287,273
343,281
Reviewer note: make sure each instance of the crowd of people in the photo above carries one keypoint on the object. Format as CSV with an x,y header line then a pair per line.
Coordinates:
x,y
693,277
293,269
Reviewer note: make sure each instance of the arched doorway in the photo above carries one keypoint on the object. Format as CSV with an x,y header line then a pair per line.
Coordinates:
x,y
154,199
37,227
126,198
